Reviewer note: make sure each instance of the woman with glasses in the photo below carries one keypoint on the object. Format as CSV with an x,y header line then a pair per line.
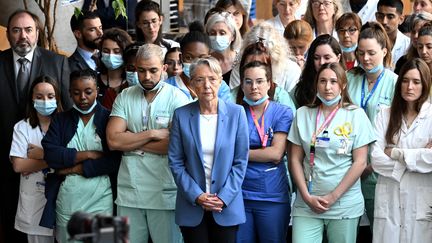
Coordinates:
x,y
207,168
348,28
148,26
402,156
322,16
371,86
195,44
327,157
112,77
265,187
225,41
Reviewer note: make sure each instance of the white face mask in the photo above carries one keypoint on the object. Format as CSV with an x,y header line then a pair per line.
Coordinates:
x,y
219,43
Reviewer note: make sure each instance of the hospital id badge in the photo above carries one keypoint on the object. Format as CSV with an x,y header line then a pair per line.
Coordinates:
x,y
322,142
345,146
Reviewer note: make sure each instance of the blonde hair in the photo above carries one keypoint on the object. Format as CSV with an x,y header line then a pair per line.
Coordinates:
x,y
299,30
275,43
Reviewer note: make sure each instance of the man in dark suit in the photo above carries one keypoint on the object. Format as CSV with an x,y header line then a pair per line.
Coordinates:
x,y
24,57
87,29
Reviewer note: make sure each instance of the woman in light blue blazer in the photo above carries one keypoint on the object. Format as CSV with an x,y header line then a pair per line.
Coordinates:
x,y
208,154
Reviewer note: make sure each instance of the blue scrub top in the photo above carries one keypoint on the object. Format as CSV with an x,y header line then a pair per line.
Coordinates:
x,y
267,181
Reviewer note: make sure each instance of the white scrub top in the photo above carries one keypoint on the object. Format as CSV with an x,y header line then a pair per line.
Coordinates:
x,y
32,199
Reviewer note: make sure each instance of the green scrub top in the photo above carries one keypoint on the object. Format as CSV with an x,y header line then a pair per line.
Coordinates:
x,y
144,179
382,97
331,166
77,193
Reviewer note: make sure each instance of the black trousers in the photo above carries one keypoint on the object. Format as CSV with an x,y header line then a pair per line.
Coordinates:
x,y
208,231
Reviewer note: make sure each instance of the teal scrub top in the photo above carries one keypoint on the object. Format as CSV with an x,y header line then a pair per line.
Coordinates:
x,y
144,179
382,97
330,166
77,193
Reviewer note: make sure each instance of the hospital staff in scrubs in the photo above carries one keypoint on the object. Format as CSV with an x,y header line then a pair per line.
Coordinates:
x,y
371,86
328,153
265,188
27,158
402,156
75,146
138,126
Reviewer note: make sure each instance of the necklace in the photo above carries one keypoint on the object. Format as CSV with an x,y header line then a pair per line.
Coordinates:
x,y
209,118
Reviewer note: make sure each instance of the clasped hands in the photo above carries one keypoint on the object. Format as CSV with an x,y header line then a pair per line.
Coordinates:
x,y
210,202
320,204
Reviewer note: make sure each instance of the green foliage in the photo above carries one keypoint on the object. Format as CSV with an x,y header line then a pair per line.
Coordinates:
x,y
119,8
77,12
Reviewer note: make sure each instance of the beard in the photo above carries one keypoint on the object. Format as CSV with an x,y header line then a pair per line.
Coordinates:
x,y
23,47
91,44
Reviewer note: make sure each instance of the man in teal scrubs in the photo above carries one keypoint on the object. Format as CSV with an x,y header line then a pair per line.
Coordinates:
x,y
138,126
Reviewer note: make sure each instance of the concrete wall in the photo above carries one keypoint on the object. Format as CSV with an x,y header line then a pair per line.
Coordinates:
x,y
63,35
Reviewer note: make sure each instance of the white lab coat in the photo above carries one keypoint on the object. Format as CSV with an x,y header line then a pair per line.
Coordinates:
x,y
403,194
400,47
367,13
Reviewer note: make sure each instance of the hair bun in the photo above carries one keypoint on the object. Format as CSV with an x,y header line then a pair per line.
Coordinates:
x,y
196,26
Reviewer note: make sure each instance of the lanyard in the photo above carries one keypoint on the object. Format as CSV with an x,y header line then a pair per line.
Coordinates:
x,y
363,102
314,136
260,129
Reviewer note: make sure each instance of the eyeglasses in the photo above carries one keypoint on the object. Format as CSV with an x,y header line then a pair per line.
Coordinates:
x,y
351,31
317,4
153,23
257,82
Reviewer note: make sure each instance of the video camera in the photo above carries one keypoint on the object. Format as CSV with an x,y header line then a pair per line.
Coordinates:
x,y
98,228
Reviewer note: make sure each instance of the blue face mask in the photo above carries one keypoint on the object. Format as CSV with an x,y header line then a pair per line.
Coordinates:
x,y
186,69
255,103
348,49
87,111
331,102
45,107
376,69
219,43
132,78
112,61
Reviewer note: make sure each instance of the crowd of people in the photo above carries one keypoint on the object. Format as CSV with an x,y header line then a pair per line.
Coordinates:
x,y
206,138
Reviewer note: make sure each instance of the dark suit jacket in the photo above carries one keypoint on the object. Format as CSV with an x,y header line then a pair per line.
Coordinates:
x,y
12,109
77,62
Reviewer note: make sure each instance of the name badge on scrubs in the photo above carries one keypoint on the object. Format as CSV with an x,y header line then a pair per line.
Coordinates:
x,y
323,142
40,186
344,146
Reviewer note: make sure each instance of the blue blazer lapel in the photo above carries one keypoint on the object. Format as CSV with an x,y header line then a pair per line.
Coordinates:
x,y
194,126
221,128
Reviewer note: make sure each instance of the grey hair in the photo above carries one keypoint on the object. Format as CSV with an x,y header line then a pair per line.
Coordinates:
x,y
148,51
210,62
419,17
226,18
